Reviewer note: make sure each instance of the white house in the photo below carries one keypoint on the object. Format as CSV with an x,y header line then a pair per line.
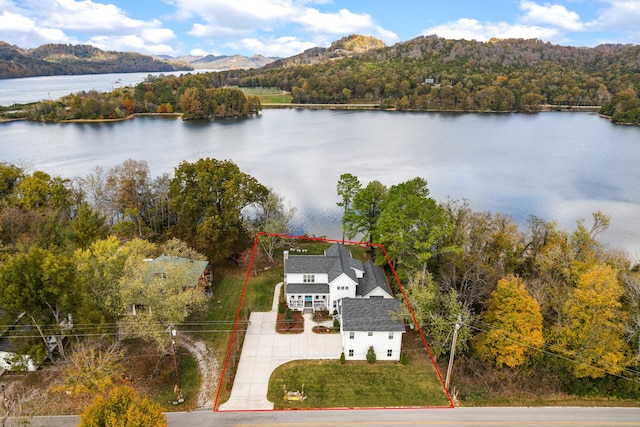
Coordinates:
x,y
358,292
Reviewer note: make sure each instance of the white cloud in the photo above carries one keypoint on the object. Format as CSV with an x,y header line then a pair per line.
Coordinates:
x,y
201,52
250,20
471,29
14,22
550,14
36,22
131,43
281,47
619,16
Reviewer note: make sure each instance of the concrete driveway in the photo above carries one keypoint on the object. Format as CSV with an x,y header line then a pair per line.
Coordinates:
x,y
264,350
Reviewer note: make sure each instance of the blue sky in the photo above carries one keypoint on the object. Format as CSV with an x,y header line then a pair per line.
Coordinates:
x,y
286,27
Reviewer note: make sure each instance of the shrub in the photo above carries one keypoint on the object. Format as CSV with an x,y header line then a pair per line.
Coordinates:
x,y
342,358
336,325
281,307
404,358
371,355
288,315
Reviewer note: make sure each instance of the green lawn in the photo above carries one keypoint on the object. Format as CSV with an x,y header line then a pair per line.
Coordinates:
x,y
328,384
269,95
215,323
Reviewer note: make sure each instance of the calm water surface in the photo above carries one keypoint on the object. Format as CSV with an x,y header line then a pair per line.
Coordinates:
x,y
559,166
34,89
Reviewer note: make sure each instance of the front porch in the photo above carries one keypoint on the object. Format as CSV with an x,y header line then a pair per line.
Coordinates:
x,y
305,302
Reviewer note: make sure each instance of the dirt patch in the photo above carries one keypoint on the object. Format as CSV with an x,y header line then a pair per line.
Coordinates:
x,y
208,365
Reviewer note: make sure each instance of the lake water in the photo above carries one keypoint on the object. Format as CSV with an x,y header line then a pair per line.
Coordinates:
x,y
559,166
34,89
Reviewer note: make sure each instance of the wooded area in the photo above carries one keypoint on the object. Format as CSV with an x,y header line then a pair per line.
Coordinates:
x,y
540,309
432,73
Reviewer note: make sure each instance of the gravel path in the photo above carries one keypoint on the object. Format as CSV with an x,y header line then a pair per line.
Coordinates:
x,y
208,365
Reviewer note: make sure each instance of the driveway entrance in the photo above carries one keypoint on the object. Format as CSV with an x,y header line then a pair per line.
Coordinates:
x,y
264,350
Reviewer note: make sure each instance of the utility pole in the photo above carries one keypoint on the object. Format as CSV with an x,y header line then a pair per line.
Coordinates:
x,y
173,333
453,351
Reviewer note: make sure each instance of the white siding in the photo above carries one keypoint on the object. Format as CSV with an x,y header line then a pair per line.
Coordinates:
x,y
379,340
341,287
378,292
298,278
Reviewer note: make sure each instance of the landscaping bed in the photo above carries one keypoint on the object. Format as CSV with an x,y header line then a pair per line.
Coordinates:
x,y
293,326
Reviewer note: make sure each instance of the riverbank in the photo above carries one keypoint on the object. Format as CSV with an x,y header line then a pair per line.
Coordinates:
x,y
355,107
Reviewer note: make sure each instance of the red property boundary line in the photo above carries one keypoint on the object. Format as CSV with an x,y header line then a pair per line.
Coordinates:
x,y
404,295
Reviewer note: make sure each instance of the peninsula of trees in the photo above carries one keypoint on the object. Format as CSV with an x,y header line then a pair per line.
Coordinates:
x,y
62,59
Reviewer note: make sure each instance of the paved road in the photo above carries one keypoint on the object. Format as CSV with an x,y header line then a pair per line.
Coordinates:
x,y
530,417
478,417
264,350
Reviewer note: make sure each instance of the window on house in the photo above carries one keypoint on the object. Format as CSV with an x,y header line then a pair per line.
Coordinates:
x,y
370,333
350,353
352,335
390,335
389,353
308,278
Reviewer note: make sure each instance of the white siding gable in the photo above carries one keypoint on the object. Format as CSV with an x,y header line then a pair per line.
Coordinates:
x,y
378,292
356,348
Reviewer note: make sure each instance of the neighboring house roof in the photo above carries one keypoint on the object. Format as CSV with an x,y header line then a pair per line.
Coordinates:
x,y
191,269
373,278
371,314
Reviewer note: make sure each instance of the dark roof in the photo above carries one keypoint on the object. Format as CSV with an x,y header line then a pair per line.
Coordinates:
x,y
371,314
307,288
335,261
373,278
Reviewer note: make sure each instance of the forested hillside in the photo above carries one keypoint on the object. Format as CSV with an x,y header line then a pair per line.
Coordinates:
x,y
432,73
60,59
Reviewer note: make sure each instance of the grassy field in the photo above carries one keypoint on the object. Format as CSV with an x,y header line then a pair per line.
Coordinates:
x,y
269,95
328,384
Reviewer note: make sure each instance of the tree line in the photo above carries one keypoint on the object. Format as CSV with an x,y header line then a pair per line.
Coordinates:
x,y
195,96
543,304
433,73
74,255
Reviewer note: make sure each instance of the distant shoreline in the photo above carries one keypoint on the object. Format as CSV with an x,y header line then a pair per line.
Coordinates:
x,y
355,107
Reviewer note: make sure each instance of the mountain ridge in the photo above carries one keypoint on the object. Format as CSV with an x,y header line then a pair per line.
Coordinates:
x,y
66,59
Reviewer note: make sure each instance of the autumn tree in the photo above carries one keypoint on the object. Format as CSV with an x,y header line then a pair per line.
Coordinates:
x,y
123,408
93,367
209,198
127,189
273,217
593,331
437,312
165,292
42,285
99,269
511,325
